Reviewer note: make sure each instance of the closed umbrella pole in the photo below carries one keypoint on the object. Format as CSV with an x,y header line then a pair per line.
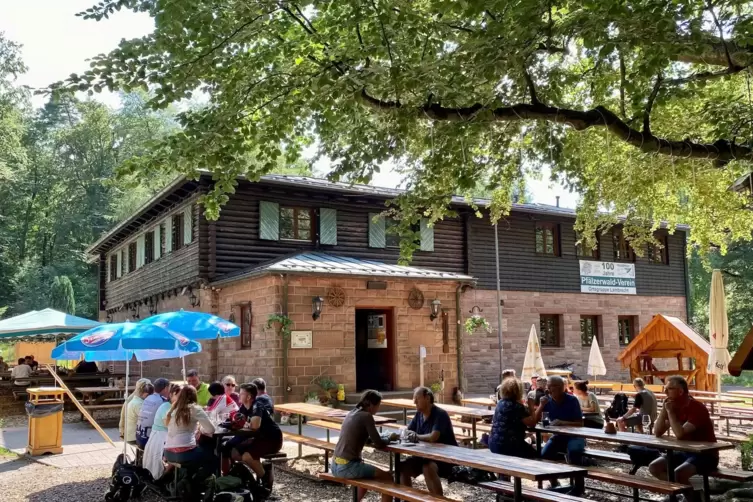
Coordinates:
x,y
596,364
718,331
533,363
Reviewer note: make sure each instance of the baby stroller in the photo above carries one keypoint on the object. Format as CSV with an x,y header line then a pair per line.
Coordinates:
x,y
128,481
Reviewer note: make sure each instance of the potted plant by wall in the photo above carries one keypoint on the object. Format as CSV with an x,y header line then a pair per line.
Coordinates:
x,y
312,398
475,322
327,390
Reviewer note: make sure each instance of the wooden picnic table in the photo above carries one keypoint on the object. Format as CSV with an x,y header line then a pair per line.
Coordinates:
x,y
517,468
667,444
322,413
87,394
702,399
480,401
474,414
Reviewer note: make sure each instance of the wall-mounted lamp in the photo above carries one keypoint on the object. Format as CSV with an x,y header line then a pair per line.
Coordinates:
x,y
435,306
152,306
232,317
193,300
317,303
109,317
135,311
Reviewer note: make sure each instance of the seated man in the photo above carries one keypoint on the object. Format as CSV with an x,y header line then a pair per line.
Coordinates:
x,y
433,425
564,410
20,374
689,421
644,404
263,397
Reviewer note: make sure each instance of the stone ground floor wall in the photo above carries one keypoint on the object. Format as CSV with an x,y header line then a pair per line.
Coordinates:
x,y
333,351
522,309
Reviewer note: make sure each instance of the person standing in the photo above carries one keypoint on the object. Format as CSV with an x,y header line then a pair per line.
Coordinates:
x,y
357,428
643,404
202,389
689,420
430,424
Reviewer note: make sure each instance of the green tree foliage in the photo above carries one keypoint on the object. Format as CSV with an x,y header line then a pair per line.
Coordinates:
x,y
642,107
62,297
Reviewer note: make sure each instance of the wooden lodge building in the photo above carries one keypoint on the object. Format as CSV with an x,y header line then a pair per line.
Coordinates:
x,y
316,252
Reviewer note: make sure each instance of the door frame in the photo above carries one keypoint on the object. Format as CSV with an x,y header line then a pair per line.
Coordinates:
x,y
391,347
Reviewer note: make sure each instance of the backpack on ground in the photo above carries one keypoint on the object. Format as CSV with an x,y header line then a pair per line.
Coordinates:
x,y
618,407
127,481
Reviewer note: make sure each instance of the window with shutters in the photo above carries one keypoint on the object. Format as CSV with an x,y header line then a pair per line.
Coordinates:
x,y
626,328
246,320
113,267
621,246
547,239
295,223
149,247
132,248
657,252
392,238
584,251
162,239
589,328
177,231
549,330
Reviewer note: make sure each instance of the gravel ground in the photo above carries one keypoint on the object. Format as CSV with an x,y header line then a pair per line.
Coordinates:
x,y
22,480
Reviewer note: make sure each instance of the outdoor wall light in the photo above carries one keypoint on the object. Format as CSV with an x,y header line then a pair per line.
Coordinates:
x,y
109,317
193,300
317,303
435,306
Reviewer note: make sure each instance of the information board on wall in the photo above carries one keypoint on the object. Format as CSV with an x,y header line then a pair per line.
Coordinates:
x,y
606,277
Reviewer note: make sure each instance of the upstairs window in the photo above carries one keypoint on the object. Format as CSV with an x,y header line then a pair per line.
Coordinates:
x,y
295,223
132,249
548,239
583,251
657,252
549,330
621,246
177,231
113,267
148,247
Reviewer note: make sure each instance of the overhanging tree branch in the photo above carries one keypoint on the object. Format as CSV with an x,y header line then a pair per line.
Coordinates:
x,y
720,151
650,105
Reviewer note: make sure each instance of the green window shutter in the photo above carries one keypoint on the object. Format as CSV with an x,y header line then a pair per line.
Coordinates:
x,y
188,225
269,224
109,267
377,237
157,241
328,226
140,251
119,257
168,234
427,235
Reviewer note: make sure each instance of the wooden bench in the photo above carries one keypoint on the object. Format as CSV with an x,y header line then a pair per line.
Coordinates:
x,y
20,395
505,488
637,483
741,476
609,456
401,492
312,443
97,407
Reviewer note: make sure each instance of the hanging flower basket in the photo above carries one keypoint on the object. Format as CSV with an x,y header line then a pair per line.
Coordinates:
x,y
476,321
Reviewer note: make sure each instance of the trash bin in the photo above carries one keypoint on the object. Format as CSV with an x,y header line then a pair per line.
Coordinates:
x,y
45,410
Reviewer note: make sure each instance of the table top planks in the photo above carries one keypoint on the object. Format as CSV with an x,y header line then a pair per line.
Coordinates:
x,y
630,438
92,390
533,470
449,408
323,412
480,401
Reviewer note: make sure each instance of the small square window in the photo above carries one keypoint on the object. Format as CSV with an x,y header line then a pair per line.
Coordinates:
x,y
621,246
589,328
548,239
549,330
626,328
295,223
657,252
582,251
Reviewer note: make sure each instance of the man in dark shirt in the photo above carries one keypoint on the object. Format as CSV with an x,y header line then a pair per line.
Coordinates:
x,y
262,397
433,425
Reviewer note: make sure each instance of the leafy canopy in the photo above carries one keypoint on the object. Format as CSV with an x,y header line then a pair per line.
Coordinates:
x,y
643,107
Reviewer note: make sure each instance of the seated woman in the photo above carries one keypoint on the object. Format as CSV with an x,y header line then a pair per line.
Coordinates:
x,y
137,391
511,419
267,437
184,420
230,385
357,428
220,402
155,445
133,411
589,405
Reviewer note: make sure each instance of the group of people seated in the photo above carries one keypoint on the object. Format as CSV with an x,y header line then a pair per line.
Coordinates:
x,y
515,414
23,370
175,423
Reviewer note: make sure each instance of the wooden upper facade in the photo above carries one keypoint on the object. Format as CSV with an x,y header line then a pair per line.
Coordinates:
x,y
169,244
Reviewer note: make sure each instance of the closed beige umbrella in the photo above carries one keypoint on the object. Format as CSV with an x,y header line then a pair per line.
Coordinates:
x,y
596,364
533,364
718,330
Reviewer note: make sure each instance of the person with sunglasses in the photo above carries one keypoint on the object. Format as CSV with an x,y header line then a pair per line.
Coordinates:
x,y
230,385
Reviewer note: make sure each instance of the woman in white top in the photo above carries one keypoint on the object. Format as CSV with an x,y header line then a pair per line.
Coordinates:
x,y
589,405
134,409
124,411
155,446
184,420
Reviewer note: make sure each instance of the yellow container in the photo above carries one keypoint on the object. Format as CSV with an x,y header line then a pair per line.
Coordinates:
x,y
46,433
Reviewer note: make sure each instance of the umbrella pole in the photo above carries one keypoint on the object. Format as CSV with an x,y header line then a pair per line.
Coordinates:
x,y
183,371
499,303
125,423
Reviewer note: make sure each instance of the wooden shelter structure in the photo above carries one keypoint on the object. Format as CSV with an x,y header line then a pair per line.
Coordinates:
x,y
743,358
667,337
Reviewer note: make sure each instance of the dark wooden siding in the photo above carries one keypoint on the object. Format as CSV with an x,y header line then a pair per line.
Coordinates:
x,y
238,246
521,269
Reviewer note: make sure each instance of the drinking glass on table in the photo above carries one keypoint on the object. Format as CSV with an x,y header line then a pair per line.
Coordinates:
x,y
646,421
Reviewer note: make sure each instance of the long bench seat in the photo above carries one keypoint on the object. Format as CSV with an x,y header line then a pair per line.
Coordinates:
x,y
537,494
401,492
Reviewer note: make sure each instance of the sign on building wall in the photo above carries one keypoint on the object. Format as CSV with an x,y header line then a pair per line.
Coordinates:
x,y
301,339
607,277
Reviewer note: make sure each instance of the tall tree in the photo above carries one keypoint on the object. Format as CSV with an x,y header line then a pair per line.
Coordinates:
x,y
642,107
62,297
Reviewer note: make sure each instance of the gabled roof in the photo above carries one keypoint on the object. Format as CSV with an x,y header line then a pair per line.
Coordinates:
x,y
328,264
743,359
663,336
